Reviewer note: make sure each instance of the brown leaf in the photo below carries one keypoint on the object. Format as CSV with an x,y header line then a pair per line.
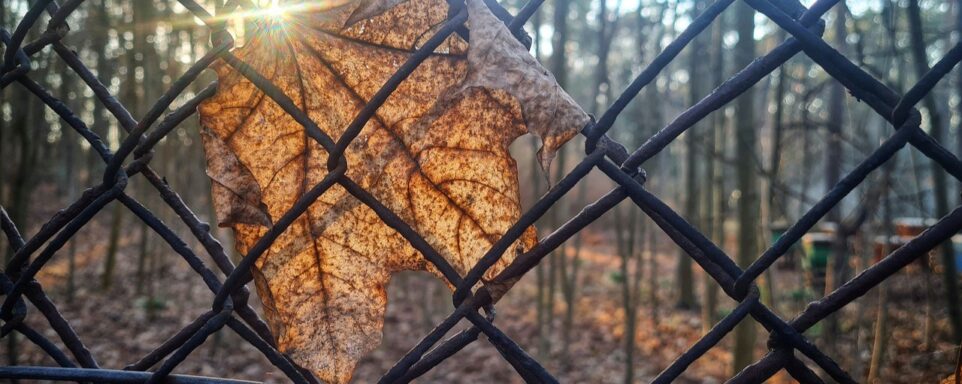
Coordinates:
x,y
436,154
236,193
370,8
498,61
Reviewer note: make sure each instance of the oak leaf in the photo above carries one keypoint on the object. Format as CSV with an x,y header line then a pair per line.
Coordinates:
x,y
435,153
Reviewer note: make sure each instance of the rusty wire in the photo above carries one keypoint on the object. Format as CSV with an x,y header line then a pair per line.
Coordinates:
x,y
230,307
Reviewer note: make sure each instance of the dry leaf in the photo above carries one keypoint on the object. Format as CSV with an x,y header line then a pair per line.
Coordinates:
x,y
370,8
498,61
436,154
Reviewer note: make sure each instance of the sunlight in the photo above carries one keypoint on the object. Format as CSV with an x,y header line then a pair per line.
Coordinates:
x,y
274,10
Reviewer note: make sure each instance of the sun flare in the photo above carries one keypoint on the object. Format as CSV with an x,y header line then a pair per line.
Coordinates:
x,y
275,11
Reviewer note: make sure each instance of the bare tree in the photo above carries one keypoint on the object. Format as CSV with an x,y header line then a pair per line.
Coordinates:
x,y
686,283
937,130
714,176
833,170
745,137
559,67
629,269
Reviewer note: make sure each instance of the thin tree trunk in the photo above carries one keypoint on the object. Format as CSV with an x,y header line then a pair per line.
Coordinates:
x,y
881,335
542,292
569,283
776,199
142,261
113,243
745,332
100,19
936,130
153,271
686,280
626,252
133,93
838,261
69,150
881,321
715,176
570,268
536,178
559,68
19,198
654,119
652,272
31,128
890,21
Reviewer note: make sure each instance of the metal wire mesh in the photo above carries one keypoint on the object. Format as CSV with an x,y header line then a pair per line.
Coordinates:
x,y
230,307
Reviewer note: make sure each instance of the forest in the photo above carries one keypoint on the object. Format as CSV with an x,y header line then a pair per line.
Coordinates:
x,y
617,301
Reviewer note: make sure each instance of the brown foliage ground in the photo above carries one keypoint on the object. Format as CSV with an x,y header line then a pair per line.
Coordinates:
x,y
118,328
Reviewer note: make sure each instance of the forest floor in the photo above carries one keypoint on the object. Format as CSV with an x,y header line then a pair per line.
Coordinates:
x,y
122,324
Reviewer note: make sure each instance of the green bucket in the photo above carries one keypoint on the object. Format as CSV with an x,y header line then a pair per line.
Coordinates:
x,y
777,233
818,248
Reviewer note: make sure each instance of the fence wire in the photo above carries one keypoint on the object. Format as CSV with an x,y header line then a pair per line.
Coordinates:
x,y
230,307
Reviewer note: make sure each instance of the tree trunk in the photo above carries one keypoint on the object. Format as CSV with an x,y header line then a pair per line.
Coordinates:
x,y
100,19
113,243
559,66
569,285
715,177
776,200
628,283
31,128
936,130
686,283
142,261
745,332
835,270
653,120
881,320
537,176
69,149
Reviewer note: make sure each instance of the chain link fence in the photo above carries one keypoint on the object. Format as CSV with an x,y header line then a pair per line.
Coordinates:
x,y
230,307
